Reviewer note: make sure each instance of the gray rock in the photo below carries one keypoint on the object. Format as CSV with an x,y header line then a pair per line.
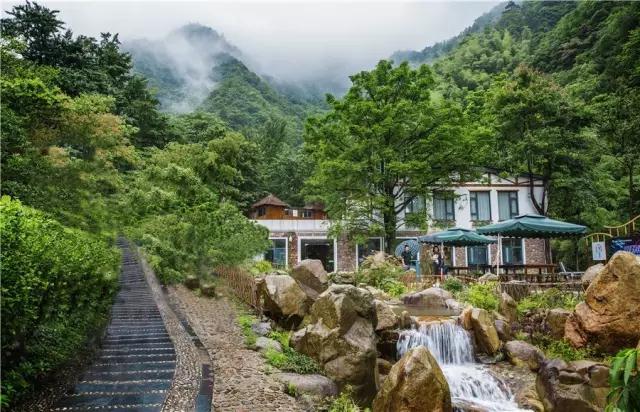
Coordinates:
x,y
508,307
262,344
261,328
590,274
316,385
311,277
521,353
489,277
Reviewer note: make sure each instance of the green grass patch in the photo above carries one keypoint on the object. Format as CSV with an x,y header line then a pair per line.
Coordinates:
x,y
453,285
245,321
345,402
289,360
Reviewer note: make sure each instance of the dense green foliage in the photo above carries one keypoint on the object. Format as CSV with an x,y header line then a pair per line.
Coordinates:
x,y
384,276
57,286
548,299
84,143
578,80
624,380
481,295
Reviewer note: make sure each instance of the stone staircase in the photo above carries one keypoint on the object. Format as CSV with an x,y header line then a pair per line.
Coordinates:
x,y
135,366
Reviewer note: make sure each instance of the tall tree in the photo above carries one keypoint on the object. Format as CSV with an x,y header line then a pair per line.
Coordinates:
x,y
382,145
618,125
538,130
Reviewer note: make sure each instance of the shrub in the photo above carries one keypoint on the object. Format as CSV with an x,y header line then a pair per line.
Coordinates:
x,y
385,277
245,321
289,360
624,379
548,299
563,350
481,295
344,402
57,286
453,285
260,267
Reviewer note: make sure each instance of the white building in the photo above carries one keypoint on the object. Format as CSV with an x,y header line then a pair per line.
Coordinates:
x,y
300,233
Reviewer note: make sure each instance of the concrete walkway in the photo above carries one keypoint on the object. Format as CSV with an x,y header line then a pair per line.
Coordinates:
x,y
138,367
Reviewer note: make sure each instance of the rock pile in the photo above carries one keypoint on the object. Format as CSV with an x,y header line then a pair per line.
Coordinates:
x,y
610,315
341,338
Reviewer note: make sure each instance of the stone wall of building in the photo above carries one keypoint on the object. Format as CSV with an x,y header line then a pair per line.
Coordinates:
x,y
461,256
535,251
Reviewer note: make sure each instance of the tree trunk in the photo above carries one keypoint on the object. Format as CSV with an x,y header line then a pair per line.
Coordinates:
x,y
632,193
390,221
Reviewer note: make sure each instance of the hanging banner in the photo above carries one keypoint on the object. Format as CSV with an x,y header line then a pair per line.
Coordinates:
x,y
599,251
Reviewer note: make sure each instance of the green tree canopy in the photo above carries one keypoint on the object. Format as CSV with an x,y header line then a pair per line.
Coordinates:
x,y
386,142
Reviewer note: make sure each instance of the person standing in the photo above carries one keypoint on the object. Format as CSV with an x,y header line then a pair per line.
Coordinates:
x,y
437,259
406,257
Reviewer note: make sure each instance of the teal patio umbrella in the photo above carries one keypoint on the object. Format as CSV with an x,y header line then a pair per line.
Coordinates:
x,y
531,226
456,237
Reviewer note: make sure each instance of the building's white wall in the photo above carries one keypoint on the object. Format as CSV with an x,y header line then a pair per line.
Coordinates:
x,y
294,225
463,209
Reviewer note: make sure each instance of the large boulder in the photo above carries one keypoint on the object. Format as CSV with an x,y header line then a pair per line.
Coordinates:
x,y
610,315
521,353
508,307
555,321
377,293
415,383
484,331
503,328
283,299
387,319
311,277
341,337
435,298
527,397
591,274
314,384
264,344
562,388
342,278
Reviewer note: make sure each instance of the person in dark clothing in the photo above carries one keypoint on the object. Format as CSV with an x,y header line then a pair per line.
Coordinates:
x,y
406,257
436,257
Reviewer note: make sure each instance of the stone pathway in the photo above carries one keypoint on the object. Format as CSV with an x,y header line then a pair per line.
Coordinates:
x,y
137,368
242,383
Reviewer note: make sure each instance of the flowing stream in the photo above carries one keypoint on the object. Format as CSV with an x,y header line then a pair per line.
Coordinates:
x,y
470,383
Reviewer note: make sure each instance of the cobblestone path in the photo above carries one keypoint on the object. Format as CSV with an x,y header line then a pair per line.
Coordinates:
x,y
136,364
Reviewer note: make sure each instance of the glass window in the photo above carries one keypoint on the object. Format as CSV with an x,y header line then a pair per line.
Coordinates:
x,y
262,211
371,247
507,205
321,249
512,251
307,213
480,203
277,253
443,204
417,204
477,255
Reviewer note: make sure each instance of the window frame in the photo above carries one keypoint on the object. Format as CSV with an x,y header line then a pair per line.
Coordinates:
x,y
512,200
510,240
473,201
448,196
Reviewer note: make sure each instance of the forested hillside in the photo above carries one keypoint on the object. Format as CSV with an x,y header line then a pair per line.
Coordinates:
x,y
85,155
551,88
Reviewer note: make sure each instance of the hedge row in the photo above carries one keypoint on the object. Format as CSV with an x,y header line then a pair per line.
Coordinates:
x,y
57,286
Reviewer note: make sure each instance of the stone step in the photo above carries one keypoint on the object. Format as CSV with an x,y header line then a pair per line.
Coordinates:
x,y
135,358
108,402
117,376
132,366
125,350
137,339
123,386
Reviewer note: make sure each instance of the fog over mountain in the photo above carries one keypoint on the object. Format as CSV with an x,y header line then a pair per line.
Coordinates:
x,y
306,41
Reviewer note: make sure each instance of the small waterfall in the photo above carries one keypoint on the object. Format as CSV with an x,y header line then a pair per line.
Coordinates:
x,y
470,383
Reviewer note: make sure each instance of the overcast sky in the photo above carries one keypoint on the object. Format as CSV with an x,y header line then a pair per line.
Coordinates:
x,y
286,38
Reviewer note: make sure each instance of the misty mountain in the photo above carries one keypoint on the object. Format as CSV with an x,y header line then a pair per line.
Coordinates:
x,y
431,53
179,67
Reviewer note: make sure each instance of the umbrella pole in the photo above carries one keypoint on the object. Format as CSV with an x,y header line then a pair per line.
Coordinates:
x,y
499,255
441,261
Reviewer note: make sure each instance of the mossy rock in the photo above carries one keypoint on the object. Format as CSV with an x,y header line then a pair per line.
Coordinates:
x,y
208,290
192,282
